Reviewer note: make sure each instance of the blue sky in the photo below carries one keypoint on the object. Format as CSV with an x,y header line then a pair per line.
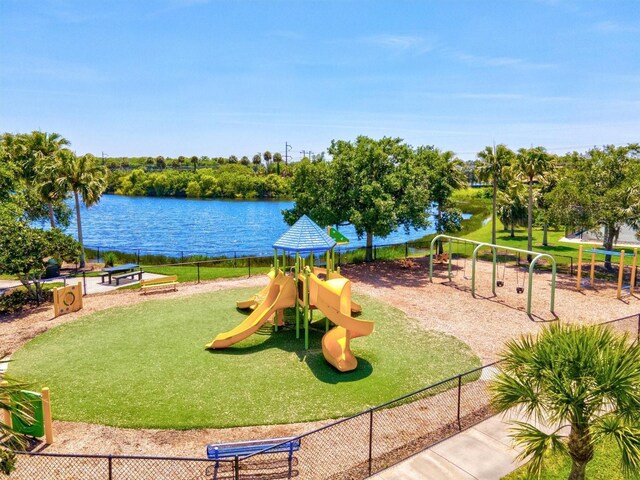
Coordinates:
x,y
197,77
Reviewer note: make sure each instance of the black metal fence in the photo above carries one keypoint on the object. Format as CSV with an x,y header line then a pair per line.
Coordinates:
x,y
352,448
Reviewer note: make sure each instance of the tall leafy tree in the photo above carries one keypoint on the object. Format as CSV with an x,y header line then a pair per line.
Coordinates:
x,y
532,163
491,163
194,161
445,174
580,379
257,161
85,178
23,250
373,184
600,189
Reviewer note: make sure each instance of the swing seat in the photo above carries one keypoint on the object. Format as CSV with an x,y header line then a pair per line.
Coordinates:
x,y
625,290
500,283
585,282
519,290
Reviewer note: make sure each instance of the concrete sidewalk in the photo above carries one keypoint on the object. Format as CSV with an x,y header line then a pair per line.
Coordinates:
x,y
483,452
93,284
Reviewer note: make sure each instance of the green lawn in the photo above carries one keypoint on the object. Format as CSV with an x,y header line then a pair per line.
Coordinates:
x,y
604,466
189,273
145,366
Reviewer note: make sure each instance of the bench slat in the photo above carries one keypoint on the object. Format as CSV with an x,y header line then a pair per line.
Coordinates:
x,y
242,449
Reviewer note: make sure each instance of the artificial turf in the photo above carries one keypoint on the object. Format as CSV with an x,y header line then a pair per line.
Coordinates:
x,y
145,366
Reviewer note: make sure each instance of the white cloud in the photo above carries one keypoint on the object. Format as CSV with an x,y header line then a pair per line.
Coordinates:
x,y
406,43
608,26
507,62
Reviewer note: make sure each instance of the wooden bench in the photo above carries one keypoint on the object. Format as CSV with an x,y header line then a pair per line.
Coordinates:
x,y
218,451
170,281
120,276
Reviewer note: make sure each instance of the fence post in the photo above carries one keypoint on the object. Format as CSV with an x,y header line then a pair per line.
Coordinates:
x,y
138,256
84,284
98,259
406,249
181,257
234,260
370,441
375,253
249,266
198,265
571,268
110,458
459,396
236,468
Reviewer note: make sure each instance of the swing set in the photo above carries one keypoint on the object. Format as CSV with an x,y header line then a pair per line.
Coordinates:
x,y
622,288
496,282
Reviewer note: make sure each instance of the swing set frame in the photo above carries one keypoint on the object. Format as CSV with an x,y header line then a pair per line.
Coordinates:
x,y
621,266
494,248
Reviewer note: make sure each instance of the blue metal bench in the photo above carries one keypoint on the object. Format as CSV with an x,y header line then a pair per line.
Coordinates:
x,y
218,451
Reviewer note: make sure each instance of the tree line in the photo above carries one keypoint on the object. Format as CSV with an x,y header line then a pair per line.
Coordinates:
x,y
224,181
381,185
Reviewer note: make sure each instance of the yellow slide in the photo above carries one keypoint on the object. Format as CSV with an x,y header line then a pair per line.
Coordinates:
x,y
259,297
281,294
333,298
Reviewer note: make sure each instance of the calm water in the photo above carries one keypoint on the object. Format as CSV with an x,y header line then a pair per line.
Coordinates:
x,y
212,227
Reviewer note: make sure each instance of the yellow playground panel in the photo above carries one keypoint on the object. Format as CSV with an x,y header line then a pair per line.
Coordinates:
x,y
67,299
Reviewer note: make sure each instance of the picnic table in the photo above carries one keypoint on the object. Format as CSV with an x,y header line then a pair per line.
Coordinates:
x,y
124,268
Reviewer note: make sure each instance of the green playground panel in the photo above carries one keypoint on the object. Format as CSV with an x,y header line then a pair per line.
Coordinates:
x,y
31,403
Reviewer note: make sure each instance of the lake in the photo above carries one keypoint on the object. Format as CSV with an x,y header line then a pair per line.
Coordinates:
x,y
170,226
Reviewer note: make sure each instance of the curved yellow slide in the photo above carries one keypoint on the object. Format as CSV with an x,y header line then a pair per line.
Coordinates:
x,y
258,298
281,294
333,298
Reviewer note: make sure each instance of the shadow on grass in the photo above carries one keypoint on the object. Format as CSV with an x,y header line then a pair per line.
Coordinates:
x,y
285,339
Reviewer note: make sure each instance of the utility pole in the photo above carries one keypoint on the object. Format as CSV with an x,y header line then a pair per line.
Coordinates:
x,y
287,147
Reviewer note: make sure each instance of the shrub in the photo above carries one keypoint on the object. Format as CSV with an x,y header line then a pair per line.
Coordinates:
x,y
110,258
13,301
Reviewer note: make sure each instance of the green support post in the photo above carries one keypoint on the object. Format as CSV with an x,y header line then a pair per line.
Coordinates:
x,y
297,302
450,258
306,310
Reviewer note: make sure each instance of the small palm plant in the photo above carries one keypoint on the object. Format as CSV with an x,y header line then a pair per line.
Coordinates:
x,y
583,382
10,440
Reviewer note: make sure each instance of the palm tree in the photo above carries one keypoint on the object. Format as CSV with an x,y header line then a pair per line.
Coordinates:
x,y
41,164
583,383
84,177
512,208
257,161
267,158
277,159
490,167
532,163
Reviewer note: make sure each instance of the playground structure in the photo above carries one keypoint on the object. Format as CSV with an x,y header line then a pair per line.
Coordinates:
x,y
622,288
536,256
67,299
303,289
31,414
